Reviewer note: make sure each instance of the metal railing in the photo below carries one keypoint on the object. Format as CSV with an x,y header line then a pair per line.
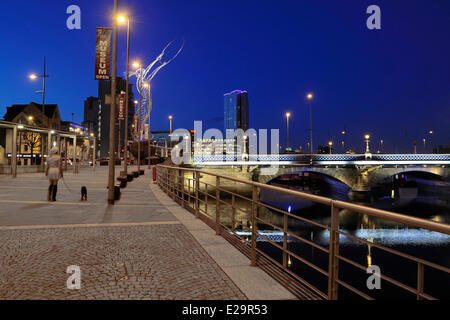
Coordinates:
x,y
186,187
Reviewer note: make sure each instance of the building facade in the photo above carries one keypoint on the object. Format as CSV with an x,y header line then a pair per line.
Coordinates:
x,y
97,116
236,110
31,114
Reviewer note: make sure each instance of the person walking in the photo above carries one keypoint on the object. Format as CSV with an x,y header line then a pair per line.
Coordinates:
x,y
54,171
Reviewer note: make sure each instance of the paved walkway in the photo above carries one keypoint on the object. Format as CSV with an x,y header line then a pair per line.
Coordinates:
x,y
144,247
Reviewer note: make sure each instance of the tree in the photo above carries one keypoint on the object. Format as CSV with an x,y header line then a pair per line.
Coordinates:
x,y
32,140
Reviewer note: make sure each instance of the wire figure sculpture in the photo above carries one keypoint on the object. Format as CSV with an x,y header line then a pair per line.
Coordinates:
x,y
145,75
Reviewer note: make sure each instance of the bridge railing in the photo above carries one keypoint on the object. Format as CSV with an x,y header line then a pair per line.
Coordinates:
x,y
211,202
308,158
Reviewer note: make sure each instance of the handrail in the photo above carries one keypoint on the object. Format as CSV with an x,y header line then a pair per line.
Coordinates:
x,y
400,218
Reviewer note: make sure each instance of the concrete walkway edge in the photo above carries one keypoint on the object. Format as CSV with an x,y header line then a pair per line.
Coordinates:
x,y
252,281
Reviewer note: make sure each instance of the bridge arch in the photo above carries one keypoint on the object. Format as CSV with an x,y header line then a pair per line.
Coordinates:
x,y
343,175
385,175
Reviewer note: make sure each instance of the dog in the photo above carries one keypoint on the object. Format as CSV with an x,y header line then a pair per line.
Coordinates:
x,y
83,193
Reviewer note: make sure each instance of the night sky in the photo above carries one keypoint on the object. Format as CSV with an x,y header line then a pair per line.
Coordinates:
x,y
393,83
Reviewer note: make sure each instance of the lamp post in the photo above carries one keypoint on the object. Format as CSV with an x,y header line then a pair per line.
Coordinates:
x,y
330,146
310,96
94,150
288,116
150,106
343,132
112,118
43,76
431,132
125,156
367,138
170,125
245,146
381,142
137,65
424,145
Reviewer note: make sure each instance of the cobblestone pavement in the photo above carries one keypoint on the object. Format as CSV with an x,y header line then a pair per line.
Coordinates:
x,y
146,255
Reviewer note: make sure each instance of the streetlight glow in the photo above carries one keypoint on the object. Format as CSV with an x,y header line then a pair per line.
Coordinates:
x,y
121,19
367,137
33,76
309,96
136,65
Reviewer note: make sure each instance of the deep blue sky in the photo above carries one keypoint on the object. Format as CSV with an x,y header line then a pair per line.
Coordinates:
x,y
393,83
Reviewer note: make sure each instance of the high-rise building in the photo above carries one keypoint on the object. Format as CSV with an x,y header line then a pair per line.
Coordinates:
x,y
97,115
236,110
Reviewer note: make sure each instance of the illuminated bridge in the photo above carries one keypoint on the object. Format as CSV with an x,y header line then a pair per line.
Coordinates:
x,y
358,171
322,159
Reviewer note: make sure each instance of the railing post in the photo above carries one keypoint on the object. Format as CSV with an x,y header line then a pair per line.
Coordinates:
x,y
333,264
233,214
206,199
419,281
172,183
182,187
254,227
197,186
14,152
217,205
169,188
285,220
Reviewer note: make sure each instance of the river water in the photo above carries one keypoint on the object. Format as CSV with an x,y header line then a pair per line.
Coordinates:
x,y
431,246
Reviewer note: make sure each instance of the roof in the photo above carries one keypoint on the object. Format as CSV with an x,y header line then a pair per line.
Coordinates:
x,y
15,109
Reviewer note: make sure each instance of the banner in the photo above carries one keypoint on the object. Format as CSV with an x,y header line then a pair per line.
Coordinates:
x,y
121,107
103,54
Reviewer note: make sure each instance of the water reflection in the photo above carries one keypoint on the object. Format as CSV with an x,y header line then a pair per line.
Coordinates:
x,y
428,245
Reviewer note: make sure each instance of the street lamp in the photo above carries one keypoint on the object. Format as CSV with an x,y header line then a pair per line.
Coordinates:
x,y
150,104
343,132
43,76
330,145
94,151
245,147
381,142
288,116
367,138
122,19
424,145
112,120
310,97
170,125
431,132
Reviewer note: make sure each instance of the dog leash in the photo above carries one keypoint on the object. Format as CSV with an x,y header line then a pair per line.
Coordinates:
x,y
64,181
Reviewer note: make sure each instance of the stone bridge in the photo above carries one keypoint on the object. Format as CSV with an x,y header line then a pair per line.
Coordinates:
x,y
359,172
